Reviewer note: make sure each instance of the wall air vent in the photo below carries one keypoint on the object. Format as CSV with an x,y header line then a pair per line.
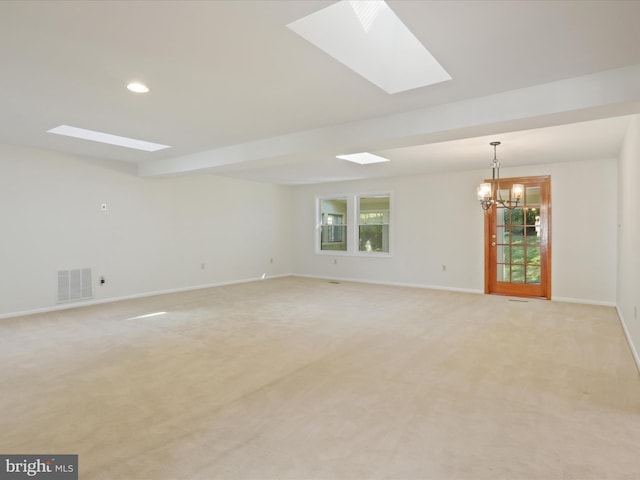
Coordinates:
x,y
74,285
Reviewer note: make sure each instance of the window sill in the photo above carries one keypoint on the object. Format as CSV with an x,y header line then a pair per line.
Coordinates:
x,y
342,253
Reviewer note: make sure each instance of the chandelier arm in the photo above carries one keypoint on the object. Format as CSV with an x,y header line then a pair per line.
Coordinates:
x,y
495,198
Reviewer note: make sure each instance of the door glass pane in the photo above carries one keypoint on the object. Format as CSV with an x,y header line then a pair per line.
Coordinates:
x,y
533,236
517,216
503,253
517,273
533,255
502,272
502,235
517,235
532,196
502,216
533,215
533,274
517,255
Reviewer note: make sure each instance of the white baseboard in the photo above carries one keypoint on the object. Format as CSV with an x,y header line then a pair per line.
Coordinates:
x,y
584,301
632,347
391,284
449,289
88,303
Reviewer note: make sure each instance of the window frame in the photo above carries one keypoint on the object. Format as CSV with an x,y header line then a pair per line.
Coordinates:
x,y
320,223
359,212
352,224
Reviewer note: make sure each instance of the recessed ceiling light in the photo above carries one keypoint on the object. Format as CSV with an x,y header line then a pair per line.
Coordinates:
x,y
363,158
137,87
107,138
368,37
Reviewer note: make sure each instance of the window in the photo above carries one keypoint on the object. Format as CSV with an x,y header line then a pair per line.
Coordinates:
x,y
373,224
333,214
355,224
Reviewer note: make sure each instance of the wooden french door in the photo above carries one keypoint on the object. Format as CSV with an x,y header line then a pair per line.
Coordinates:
x,y
518,241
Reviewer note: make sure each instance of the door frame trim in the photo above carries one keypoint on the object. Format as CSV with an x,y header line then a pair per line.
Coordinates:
x,y
544,207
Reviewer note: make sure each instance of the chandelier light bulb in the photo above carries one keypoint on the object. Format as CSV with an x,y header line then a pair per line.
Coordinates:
x,y
517,190
484,191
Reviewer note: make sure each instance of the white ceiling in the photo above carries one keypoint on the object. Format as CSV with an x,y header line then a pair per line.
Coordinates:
x,y
237,93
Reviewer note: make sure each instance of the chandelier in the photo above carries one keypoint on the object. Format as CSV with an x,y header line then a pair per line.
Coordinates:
x,y
489,193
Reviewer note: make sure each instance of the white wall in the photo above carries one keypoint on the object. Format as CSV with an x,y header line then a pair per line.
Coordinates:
x,y
156,233
423,232
628,298
438,222
154,236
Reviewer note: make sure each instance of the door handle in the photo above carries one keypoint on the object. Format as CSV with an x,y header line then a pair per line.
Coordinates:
x,y
493,244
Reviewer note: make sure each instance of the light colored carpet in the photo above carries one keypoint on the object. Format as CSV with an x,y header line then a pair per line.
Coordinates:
x,y
296,378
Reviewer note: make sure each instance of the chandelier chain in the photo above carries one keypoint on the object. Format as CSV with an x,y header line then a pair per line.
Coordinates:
x,y
491,194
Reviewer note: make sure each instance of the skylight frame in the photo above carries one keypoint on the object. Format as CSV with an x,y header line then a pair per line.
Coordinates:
x,y
369,38
107,138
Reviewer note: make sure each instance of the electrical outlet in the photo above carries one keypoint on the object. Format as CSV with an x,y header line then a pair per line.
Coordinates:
x,y
335,261
202,266
444,268
102,281
271,260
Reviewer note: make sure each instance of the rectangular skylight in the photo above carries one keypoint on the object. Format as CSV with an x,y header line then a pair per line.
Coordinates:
x,y
368,37
363,158
107,138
